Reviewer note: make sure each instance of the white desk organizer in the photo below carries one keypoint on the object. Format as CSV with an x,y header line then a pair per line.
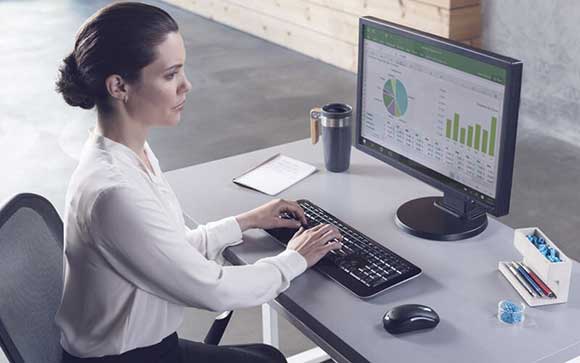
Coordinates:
x,y
556,275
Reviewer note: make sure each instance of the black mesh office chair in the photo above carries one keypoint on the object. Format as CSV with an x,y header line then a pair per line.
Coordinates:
x,y
31,260
31,238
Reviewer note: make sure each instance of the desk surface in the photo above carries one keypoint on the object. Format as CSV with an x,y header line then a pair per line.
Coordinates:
x,y
460,280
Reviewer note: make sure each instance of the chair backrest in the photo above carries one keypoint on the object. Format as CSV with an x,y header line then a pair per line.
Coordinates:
x,y
31,240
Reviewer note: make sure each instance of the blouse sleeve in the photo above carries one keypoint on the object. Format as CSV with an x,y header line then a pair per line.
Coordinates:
x,y
212,238
147,248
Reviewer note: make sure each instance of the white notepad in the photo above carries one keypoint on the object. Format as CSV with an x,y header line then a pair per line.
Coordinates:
x,y
275,174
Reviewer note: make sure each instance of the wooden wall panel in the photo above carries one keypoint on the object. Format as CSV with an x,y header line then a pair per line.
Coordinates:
x,y
451,4
328,29
415,14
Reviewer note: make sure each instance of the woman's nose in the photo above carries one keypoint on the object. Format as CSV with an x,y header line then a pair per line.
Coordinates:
x,y
186,85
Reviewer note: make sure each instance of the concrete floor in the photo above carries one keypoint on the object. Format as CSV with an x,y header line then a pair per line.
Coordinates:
x,y
247,94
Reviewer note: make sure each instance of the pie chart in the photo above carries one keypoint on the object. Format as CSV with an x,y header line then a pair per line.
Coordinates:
x,y
395,97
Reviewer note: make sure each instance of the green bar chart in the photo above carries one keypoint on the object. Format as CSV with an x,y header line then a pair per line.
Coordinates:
x,y
474,136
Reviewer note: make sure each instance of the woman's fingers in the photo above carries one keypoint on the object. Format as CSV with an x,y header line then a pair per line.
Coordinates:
x,y
317,228
294,208
329,233
325,229
287,223
332,245
331,238
313,244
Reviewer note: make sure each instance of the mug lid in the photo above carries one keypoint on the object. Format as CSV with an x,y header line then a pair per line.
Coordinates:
x,y
336,110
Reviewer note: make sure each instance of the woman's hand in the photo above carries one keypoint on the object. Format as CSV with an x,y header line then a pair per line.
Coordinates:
x,y
268,216
316,242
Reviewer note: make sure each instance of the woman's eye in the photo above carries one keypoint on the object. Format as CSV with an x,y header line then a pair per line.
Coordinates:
x,y
170,76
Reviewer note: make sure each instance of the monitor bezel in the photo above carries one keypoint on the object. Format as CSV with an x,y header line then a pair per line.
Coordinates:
x,y
513,69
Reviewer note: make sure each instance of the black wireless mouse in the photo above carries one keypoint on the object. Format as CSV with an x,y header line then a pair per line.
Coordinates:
x,y
410,317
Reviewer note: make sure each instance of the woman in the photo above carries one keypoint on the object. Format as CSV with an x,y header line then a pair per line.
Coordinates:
x,y
131,264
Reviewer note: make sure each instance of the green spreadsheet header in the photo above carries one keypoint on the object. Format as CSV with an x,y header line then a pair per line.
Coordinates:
x,y
438,55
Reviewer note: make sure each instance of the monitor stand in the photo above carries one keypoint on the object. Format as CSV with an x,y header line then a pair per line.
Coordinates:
x,y
447,218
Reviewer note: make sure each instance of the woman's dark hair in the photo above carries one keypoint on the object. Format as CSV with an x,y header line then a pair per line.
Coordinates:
x,y
118,39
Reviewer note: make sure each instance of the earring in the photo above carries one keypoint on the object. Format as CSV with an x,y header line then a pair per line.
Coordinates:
x,y
125,99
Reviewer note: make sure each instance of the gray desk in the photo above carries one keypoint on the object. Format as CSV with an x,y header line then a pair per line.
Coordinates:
x,y
460,279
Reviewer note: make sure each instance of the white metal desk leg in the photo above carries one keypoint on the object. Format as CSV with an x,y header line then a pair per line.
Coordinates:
x,y
270,336
270,326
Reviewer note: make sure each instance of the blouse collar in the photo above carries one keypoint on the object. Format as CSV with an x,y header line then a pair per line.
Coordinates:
x,y
126,153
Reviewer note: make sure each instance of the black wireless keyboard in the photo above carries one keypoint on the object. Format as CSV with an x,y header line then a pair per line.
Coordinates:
x,y
362,265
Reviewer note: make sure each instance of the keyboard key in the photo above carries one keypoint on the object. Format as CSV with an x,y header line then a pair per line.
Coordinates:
x,y
358,274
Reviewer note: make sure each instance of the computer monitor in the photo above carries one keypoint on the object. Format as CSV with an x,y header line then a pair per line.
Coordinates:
x,y
445,113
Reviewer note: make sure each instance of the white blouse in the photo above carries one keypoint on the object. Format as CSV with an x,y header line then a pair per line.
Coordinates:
x,y
131,265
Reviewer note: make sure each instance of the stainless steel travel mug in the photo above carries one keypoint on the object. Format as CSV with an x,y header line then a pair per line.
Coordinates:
x,y
335,119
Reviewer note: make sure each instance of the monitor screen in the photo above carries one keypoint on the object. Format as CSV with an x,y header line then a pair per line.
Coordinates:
x,y
433,109
445,113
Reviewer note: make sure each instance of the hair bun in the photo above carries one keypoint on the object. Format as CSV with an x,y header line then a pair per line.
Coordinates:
x,y
70,83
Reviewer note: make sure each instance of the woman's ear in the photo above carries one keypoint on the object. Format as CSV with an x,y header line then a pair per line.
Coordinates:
x,y
117,87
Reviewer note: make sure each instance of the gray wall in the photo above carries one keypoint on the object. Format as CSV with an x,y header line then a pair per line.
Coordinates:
x,y
545,35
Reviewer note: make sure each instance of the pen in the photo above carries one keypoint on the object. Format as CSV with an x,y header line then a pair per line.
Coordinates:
x,y
538,281
520,279
527,277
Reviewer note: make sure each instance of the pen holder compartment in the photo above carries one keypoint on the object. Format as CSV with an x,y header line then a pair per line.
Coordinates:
x,y
556,275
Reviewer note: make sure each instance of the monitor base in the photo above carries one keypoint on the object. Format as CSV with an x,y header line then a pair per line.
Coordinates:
x,y
426,218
